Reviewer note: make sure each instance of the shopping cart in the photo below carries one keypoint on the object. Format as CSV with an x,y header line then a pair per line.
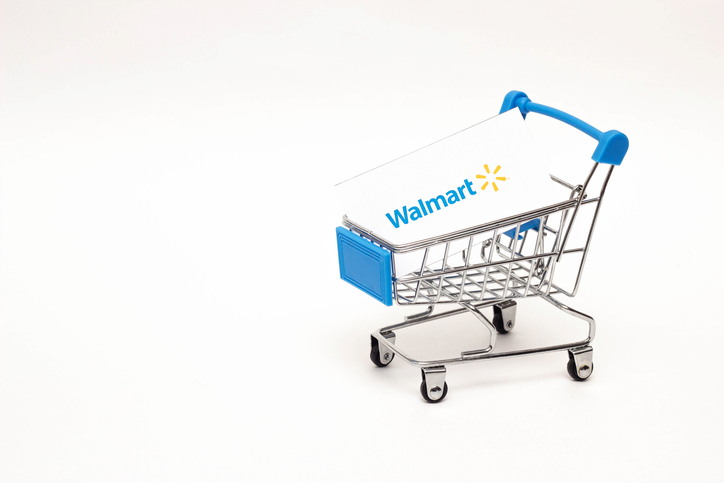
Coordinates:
x,y
502,261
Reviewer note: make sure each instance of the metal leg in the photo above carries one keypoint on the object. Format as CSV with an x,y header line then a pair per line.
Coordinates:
x,y
421,315
487,324
433,387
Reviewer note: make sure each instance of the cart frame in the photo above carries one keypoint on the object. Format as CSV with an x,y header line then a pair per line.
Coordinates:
x,y
499,274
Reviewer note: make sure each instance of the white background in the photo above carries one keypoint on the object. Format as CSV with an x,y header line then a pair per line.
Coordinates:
x,y
170,304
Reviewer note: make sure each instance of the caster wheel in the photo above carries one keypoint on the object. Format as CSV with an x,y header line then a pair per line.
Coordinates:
x,y
499,324
504,316
423,391
574,373
378,359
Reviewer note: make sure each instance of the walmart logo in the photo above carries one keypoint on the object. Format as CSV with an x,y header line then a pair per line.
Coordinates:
x,y
487,170
402,216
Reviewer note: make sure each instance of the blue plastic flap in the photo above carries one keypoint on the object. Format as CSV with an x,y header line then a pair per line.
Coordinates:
x,y
534,224
365,265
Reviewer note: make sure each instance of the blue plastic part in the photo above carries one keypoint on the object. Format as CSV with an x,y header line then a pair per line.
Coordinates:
x,y
611,149
511,102
534,224
612,145
365,265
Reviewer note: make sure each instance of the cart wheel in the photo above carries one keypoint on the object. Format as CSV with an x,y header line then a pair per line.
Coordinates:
x,y
504,316
499,325
574,373
375,355
423,391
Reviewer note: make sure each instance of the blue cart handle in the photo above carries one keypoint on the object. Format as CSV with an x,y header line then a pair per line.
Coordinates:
x,y
612,145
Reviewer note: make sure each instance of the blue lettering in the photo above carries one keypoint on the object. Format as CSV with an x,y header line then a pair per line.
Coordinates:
x,y
452,197
437,205
398,217
422,207
469,184
414,213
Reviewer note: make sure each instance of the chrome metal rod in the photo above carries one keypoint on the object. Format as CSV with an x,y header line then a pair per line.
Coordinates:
x,y
575,211
473,267
590,231
476,355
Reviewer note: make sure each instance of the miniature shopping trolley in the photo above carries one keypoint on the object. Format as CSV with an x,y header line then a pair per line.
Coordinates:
x,y
501,262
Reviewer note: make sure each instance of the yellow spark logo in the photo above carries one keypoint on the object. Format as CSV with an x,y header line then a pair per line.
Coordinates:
x,y
498,178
